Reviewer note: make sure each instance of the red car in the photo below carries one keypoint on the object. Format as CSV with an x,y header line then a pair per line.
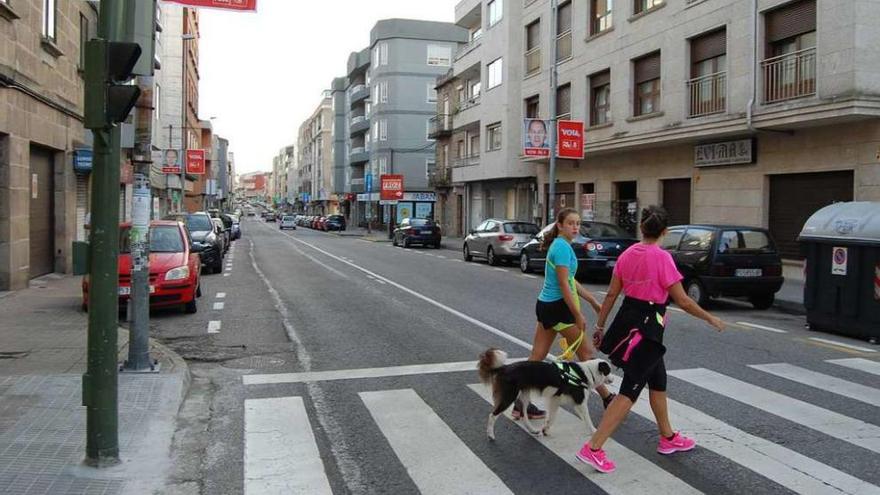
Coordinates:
x,y
174,267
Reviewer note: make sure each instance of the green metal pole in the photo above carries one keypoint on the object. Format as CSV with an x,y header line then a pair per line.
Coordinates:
x,y
101,380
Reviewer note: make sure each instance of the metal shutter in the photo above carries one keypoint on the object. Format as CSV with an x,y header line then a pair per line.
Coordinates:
x,y
791,20
42,213
600,79
709,45
647,68
677,200
82,206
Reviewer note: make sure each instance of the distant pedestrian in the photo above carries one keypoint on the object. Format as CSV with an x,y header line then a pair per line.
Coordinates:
x,y
647,275
558,309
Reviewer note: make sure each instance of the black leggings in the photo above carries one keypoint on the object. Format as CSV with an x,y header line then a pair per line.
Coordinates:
x,y
654,379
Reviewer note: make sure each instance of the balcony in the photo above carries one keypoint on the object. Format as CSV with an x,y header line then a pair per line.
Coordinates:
x,y
533,61
358,155
358,93
466,104
440,178
440,127
707,94
790,76
469,47
359,124
467,161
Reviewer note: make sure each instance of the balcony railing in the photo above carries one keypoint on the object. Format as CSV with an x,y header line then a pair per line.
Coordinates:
x,y
440,126
440,177
707,94
359,149
467,161
563,46
790,76
533,60
358,118
469,47
469,103
356,88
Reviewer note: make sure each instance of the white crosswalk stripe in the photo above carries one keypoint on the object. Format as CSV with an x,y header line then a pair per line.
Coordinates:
x,y
435,458
860,364
837,425
830,384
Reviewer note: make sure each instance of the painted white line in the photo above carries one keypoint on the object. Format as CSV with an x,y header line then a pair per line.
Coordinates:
x,y
219,305
526,275
441,256
860,364
760,327
797,472
641,475
225,274
221,295
214,326
844,428
414,429
280,451
854,391
841,344
500,270
458,261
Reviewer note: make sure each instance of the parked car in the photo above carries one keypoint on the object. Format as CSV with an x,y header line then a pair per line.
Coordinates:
x,y
726,260
498,240
236,226
287,222
335,222
205,238
223,233
174,267
227,226
269,217
411,231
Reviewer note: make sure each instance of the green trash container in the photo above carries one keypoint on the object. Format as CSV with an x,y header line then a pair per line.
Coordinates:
x,y
80,257
841,244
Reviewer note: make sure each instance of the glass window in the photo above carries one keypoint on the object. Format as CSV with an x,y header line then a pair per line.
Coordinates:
x,y
83,38
50,8
648,97
595,230
383,130
563,102
643,5
495,8
600,15
198,223
494,137
482,226
432,93
495,73
520,228
383,54
163,239
671,239
600,111
738,241
533,107
493,227
696,240
439,55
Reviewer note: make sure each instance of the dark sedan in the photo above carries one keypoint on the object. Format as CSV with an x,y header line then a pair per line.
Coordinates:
x,y
205,238
416,231
597,247
335,222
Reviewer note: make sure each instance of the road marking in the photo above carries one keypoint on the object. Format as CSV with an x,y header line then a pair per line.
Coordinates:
x,y
441,256
500,270
821,381
221,295
426,446
458,261
797,472
214,326
351,374
526,275
760,327
280,451
860,364
841,344
844,428
640,475
218,305
225,274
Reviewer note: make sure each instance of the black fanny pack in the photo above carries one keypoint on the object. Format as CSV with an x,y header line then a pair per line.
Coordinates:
x,y
634,341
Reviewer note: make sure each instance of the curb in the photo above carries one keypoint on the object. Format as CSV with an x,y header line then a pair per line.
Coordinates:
x,y
790,307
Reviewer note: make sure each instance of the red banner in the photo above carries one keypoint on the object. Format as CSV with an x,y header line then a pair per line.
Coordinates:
x,y
391,187
243,5
570,139
195,162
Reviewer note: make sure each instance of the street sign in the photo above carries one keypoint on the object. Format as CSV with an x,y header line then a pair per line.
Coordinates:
x,y
391,186
195,162
570,139
368,183
241,5
838,261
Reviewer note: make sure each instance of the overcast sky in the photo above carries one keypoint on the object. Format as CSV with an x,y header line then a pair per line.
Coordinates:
x,y
262,74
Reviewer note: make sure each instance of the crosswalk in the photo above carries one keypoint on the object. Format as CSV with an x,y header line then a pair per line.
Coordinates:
x,y
282,455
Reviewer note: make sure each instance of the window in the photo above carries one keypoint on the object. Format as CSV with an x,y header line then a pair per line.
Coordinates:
x,y
383,130
563,102
495,8
380,54
383,165
157,101
600,98
475,144
461,150
707,86
428,130
647,84
790,67
563,32
375,131
493,141
83,38
672,239
476,33
432,92
494,71
645,5
696,240
383,92
533,107
439,55
475,88
49,12
533,47
600,15
430,167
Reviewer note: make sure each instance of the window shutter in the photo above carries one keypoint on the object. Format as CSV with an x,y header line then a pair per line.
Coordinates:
x,y
563,100
791,20
600,79
647,68
533,35
709,46
563,19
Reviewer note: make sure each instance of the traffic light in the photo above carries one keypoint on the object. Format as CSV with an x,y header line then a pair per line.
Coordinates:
x,y
109,66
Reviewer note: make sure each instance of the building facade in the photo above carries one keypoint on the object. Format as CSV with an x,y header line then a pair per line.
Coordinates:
x,y
282,168
316,159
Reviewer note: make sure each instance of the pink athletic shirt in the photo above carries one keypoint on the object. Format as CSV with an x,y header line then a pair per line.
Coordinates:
x,y
647,271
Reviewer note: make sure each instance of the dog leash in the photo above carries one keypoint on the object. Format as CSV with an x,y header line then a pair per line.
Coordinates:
x,y
569,350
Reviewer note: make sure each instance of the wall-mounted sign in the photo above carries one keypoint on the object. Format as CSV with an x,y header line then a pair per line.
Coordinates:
x,y
570,139
82,160
241,5
195,162
726,153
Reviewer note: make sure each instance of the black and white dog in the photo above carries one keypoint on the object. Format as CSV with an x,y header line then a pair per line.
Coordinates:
x,y
554,381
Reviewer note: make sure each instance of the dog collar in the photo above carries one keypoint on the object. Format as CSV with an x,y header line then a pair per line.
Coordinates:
x,y
572,374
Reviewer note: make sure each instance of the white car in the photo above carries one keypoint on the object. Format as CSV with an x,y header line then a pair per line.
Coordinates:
x,y
288,222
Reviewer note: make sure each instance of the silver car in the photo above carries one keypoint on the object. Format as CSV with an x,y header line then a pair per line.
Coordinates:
x,y
497,240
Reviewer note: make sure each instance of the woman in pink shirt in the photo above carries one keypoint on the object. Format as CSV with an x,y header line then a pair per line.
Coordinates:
x,y
648,278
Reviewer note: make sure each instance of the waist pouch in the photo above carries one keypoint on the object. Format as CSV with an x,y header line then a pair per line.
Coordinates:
x,y
634,341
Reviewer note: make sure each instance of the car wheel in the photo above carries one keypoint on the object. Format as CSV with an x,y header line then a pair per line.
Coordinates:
x,y
394,240
524,263
218,266
406,242
490,257
191,307
437,245
762,301
467,253
696,292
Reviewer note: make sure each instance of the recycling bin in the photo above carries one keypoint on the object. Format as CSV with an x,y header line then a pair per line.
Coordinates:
x,y
841,244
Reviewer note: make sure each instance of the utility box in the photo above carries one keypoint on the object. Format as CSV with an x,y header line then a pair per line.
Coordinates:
x,y
80,257
841,243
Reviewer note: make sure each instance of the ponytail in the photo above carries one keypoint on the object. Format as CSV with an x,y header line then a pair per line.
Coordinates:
x,y
551,236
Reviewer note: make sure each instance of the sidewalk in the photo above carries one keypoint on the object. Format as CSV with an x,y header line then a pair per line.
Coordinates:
x,y
790,297
42,421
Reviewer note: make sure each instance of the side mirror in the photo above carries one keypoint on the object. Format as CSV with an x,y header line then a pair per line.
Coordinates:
x,y
197,248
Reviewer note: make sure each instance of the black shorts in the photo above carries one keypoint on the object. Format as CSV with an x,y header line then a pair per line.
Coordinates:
x,y
551,314
655,380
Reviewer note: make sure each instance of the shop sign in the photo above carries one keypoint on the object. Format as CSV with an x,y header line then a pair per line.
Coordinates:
x,y
726,153
391,186
82,160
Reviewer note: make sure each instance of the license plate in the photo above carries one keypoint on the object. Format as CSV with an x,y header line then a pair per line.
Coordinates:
x,y
426,232
748,272
126,291
610,264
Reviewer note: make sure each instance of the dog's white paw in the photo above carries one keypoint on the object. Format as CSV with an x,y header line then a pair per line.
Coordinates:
x,y
546,431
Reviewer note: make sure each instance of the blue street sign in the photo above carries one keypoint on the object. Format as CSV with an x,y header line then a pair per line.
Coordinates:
x,y
368,182
82,160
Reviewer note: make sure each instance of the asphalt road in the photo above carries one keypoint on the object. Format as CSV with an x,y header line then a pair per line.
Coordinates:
x,y
401,329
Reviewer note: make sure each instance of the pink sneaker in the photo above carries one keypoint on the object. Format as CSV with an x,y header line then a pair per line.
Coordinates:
x,y
595,458
679,443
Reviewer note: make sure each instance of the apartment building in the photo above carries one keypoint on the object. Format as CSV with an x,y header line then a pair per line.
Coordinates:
x,y
282,167
341,170
391,98
316,159
44,163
